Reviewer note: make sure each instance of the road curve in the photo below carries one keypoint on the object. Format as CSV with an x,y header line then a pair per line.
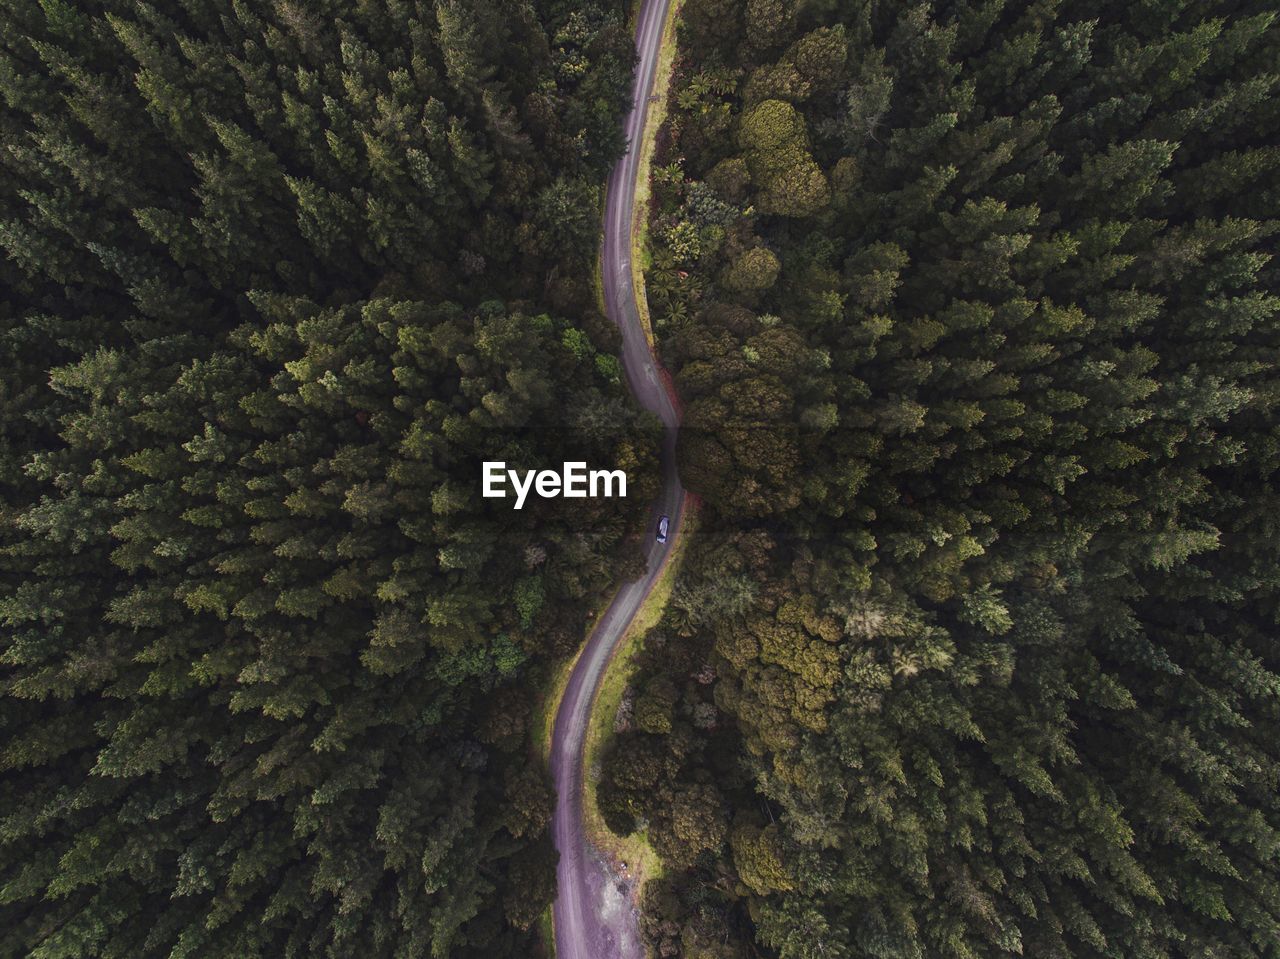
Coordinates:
x,y
593,918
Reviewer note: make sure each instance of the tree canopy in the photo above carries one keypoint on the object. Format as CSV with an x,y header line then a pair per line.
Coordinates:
x,y
978,341
276,278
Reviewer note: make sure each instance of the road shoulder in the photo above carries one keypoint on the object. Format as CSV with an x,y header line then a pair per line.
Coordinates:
x,y
656,117
634,850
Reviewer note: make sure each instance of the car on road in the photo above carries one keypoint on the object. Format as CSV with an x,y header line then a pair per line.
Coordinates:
x,y
662,529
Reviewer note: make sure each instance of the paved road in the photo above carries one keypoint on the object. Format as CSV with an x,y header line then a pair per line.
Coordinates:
x,y
594,917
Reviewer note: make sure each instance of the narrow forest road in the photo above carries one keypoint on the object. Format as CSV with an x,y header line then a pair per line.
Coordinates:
x,y
594,917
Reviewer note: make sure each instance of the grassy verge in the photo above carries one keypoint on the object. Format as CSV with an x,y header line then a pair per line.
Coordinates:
x,y
547,930
642,862
640,258
544,713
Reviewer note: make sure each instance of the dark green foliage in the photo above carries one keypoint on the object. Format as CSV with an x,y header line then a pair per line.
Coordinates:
x,y
1002,439
275,279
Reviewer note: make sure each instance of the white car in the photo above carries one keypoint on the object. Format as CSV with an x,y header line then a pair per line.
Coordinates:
x,y
662,529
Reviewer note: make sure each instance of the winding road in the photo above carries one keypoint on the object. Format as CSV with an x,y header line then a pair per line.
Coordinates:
x,y
594,915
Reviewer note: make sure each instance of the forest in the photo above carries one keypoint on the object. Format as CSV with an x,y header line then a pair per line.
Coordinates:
x,y
972,305
974,313
274,279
